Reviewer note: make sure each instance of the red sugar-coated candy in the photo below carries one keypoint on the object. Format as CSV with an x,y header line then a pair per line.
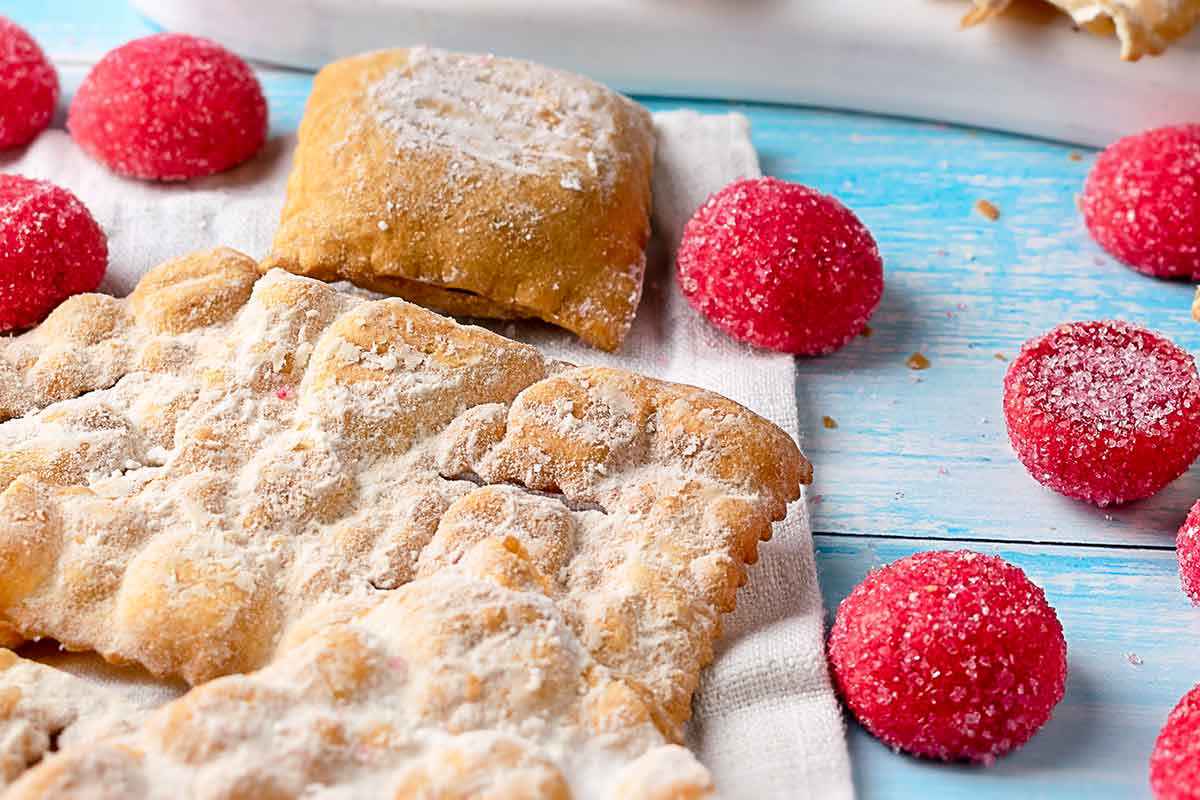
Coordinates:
x,y
1187,550
1142,201
169,107
28,86
50,249
781,266
1106,412
1175,762
949,655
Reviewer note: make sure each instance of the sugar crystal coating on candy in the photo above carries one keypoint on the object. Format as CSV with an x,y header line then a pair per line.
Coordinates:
x,y
1175,762
949,655
1142,201
28,86
1187,550
50,249
169,107
1106,412
781,266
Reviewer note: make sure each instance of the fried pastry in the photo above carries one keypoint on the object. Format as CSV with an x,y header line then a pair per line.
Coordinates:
x,y
198,466
1143,26
42,709
466,683
474,185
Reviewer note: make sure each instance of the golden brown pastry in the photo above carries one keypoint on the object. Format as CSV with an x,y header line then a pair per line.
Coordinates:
x,y
198,467
1143,26
469,683
474,185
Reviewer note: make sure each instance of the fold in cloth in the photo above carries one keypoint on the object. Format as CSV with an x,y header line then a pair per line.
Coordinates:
x,y
766,720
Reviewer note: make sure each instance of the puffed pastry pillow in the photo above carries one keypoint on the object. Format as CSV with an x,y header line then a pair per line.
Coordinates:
x,y
476,186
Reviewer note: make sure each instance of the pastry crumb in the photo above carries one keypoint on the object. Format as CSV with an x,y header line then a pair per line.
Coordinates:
x,y
1000,356
1075,156
917,361
866,332
829,422
987,209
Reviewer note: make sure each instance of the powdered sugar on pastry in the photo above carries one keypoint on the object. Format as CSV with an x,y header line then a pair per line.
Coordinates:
x,y
226,452
467,683
496,111
43,709
476,185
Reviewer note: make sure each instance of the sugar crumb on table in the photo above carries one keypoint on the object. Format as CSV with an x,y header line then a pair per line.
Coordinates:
x,y
987,209
917,361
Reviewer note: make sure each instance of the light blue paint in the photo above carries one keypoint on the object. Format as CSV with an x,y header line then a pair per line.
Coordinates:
x,y
1117,607
925,454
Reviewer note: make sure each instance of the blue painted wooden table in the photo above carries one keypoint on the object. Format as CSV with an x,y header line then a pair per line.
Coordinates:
x,y
920,460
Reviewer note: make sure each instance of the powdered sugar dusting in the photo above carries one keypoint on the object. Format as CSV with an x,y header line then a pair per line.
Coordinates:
x,y
474,185
510,115
43,709
468,682
260,448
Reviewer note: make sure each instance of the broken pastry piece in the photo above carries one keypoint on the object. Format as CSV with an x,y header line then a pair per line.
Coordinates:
x,y
474,185
188,472
43,709
1143,26
468,683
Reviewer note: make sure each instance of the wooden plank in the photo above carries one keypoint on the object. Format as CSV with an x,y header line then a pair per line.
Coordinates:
x,y
926,454
1117,607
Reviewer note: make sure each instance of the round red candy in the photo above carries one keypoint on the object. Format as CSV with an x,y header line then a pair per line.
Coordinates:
x,y
1187,550
50,249
949,655
781,266
169,107
28,86
1142,201
1175,762
1105,412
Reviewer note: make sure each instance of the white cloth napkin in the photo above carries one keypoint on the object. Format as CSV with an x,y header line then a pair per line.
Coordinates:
x,y
766,719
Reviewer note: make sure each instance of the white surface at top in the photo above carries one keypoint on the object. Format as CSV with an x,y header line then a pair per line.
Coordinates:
x,y
906,58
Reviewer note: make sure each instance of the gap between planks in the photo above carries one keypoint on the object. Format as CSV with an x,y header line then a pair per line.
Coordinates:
x,y
999,541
